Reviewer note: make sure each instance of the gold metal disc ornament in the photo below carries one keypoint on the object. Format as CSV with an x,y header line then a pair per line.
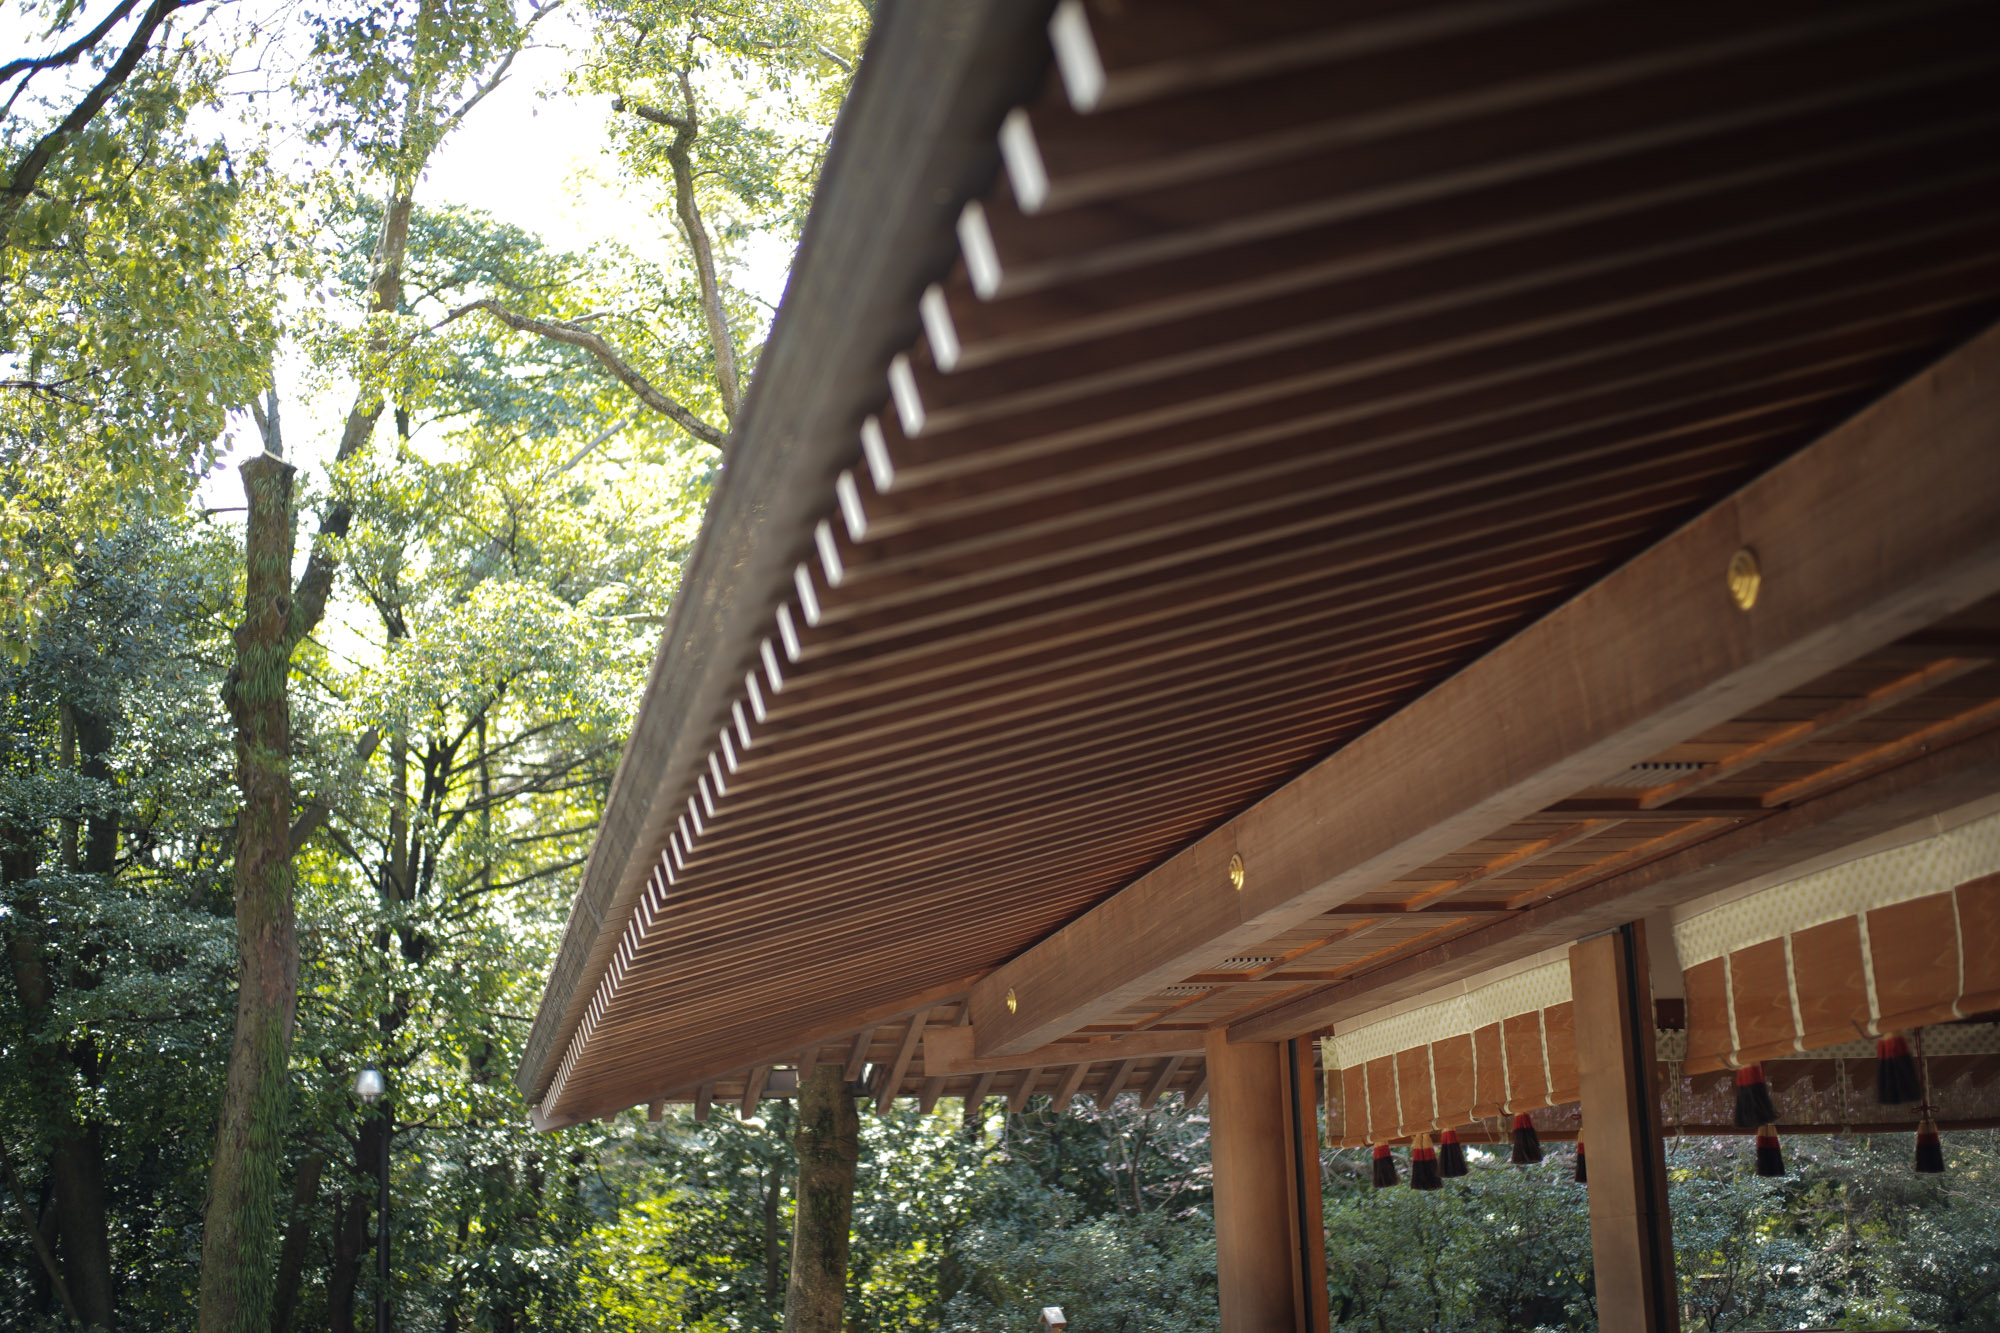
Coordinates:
x,y
1236,873
1013,1004
1745,578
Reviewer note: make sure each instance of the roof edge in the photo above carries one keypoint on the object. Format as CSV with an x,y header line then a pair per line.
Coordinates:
x,y
916,138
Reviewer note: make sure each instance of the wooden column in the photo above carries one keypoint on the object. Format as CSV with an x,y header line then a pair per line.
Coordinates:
x,y
1631,1230
1270,1244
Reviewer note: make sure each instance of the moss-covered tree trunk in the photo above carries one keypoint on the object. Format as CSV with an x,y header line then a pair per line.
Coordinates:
x,y
239,1234
827,1139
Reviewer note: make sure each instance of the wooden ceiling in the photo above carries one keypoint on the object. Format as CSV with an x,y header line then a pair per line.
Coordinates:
x,y
1298,358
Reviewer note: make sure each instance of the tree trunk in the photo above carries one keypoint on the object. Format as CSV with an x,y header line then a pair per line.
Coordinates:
x,y
827,1141
345,1273
76,1149
298,1236
239,1233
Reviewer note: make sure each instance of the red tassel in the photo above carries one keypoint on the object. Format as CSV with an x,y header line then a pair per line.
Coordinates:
x,y
1896,1081
1930,1150
1582,1174
1527,1143
1753,1098
1385,1166
1451,1155
1770,1157
1424,1165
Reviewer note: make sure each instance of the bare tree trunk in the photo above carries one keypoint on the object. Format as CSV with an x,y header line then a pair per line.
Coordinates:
x,y
828,1142
239,1232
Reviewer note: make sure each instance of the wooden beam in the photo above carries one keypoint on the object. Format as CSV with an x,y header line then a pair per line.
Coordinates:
x,y
1885,525
1066,1090
934,1079
753,1092
949,1051
1159,1081
975,1101
808,1060
1115,1084
656,1112
1631,1228
703,1095
1024,1088
857,1056
1940,781
1195,1092
901,1065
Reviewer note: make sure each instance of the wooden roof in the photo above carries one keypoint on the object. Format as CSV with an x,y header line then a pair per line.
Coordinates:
x,y
1296,360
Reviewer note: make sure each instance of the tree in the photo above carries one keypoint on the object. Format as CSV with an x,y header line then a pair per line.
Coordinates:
x,y
403,90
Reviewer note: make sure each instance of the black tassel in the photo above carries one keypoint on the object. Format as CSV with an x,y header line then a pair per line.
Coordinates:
x,y
1896,1081
1582,1174
1424,1165
1527,1143
1770,1157
1930,1150
1451,1155
1753,1098
1385,1167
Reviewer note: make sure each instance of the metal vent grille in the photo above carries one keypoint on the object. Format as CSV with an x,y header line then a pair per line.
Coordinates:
x,y
1652,774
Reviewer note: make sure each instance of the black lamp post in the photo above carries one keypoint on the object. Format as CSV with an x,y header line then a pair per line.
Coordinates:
x,y
369,1086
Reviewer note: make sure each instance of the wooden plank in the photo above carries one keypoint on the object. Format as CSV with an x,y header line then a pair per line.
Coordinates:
x,y
1918,742
808,1060
912,1034
1158,1084
1862,538
949,1051
1195,1091
1066,1090
753,1092
1940,781
1631,1226
1786,739
656,1112
703,1096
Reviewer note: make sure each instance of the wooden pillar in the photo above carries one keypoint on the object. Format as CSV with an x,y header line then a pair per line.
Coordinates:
x,y
1631,1230
1263,1136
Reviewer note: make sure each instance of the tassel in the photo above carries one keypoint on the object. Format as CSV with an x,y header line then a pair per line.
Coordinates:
x,y
1527,1143
1753,1098
1770,1157
1385,1167
1424,1165
1582,1175
1896,1081
1451,1155
1930,1150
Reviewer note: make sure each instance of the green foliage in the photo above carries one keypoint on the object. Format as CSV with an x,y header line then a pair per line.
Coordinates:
x,y
141,308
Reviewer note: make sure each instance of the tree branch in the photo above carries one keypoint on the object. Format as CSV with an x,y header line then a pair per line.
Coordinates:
x,y
575,335
315,814
37,159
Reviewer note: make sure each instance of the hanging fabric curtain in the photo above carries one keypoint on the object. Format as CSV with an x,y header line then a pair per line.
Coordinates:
x,y
1501,1042
1874,946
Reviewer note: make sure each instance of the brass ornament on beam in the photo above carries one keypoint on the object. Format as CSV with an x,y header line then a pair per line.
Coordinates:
x,y
1236,872
1013,1001
1746,578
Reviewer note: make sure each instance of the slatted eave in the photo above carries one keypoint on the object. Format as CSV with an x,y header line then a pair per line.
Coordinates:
x,y
1265,394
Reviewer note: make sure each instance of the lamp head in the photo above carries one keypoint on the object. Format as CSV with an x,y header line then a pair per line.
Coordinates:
x,y
369,1085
